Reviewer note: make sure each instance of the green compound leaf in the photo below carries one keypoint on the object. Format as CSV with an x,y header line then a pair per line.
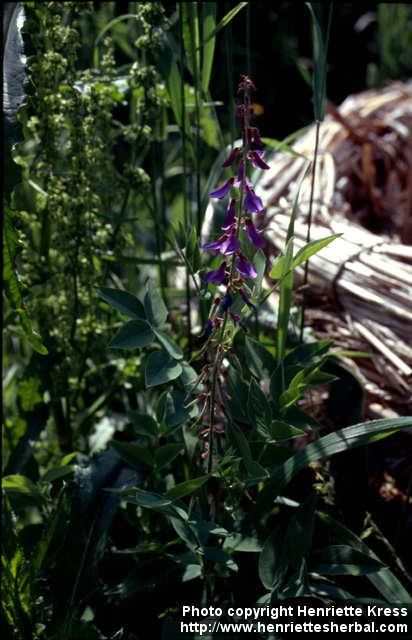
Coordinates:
x,y
161,368
134,335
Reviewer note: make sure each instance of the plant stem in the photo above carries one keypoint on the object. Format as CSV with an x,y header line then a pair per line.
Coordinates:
x,y
312,191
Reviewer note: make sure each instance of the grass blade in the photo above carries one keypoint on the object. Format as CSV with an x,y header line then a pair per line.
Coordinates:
x,y
209,25
336,442
225,21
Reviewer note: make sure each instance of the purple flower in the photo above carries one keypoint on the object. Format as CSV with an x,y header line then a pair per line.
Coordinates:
x,y
217,276
256,158
254,235
244,267
226,244
223,190
230,218
232,157
253,204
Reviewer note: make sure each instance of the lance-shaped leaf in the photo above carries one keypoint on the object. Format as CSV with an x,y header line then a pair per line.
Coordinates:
x,y
341,440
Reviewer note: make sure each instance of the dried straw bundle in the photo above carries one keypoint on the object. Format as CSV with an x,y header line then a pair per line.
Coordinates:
x,y
361,284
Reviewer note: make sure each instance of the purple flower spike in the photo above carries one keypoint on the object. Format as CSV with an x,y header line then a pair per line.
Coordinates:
x,y
230,218
217,276
254,235
253,204
223,190
256,157
232,157
245,268
226,244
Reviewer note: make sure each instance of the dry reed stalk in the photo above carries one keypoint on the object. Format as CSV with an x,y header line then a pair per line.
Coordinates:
x,y
363,190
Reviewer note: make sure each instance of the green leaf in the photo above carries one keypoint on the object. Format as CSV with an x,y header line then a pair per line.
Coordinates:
x,y
149,499
165,454
259,359
384,580
186,488
169,70
241,543
133,454
282,145
277,270
155,308
254,470
311,248
143,425
320,48
278,430
55,473
171,347
190,22
218,556
298,538
192,251
225,21
134,335
123,301
43,545
308,353
208,13
342,559
176,410
341,440
271,567
18,485
258,408
161,368
186,532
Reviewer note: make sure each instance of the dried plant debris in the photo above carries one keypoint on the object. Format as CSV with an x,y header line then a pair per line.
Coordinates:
x,y
361,284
